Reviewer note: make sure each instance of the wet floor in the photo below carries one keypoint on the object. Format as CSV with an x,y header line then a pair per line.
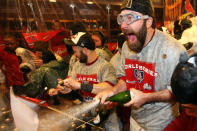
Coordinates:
x,y
6,121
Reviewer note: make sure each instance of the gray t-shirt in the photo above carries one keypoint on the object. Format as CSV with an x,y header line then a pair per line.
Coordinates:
x,y
97,72
150,71
101,53
115,60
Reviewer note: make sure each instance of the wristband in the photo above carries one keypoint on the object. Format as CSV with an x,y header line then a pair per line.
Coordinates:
x,y
86,87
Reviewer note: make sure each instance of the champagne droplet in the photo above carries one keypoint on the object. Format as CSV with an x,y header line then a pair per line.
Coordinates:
x,y
3,109
15,129
73,124
5,112
83,126
7,120
83,115
3,127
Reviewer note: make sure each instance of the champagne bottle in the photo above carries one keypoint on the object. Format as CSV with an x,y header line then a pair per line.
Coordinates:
x,y
122,97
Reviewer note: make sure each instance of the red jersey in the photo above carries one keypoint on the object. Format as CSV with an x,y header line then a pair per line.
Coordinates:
x,y
12,71
183,123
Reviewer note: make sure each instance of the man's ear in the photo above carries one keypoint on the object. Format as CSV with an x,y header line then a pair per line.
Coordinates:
x,y
149,22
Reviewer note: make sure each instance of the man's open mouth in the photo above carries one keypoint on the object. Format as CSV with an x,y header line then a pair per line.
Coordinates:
x,y
131,37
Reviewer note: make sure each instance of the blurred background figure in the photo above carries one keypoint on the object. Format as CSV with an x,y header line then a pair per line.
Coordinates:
x,y
10,61
56,44
57,26
10,66
99,40
44,78
115,59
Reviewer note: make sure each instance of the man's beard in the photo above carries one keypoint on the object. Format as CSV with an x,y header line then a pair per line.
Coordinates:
x,y
141,37
83,58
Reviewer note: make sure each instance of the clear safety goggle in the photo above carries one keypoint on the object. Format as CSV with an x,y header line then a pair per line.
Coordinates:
x,y
130,18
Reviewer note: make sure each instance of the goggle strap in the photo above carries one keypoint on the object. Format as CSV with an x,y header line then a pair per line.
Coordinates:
x,y
145,17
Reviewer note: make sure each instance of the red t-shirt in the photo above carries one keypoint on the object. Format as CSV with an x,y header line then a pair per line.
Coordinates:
x,y
12,72
183,123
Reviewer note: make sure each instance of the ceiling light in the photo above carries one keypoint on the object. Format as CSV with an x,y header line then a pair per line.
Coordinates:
x,y
108,7
90,2
52,0
72,5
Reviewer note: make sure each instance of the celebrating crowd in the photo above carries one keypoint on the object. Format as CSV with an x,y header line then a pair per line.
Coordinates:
x,y
149,63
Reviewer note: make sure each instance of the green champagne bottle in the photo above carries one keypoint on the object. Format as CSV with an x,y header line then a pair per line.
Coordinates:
x,y
122,97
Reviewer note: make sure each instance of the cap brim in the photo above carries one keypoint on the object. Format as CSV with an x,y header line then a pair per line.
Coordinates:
x,y
69,42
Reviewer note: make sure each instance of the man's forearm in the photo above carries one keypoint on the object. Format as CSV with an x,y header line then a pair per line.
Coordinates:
x,y
164,95
101,87
120,87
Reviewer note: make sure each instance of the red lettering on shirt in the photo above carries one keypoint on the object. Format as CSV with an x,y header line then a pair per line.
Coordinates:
x,y
140,75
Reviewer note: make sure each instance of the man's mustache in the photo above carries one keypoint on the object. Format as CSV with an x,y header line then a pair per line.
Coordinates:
x,y
128,32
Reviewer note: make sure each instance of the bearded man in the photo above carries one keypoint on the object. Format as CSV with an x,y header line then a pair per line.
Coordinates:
x,y
148,60
90,75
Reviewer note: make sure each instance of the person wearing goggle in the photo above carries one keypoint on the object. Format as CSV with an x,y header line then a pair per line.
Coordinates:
x,y
146,48
130,18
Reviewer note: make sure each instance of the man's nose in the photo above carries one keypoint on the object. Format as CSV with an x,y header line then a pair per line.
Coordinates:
x,y
124,25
